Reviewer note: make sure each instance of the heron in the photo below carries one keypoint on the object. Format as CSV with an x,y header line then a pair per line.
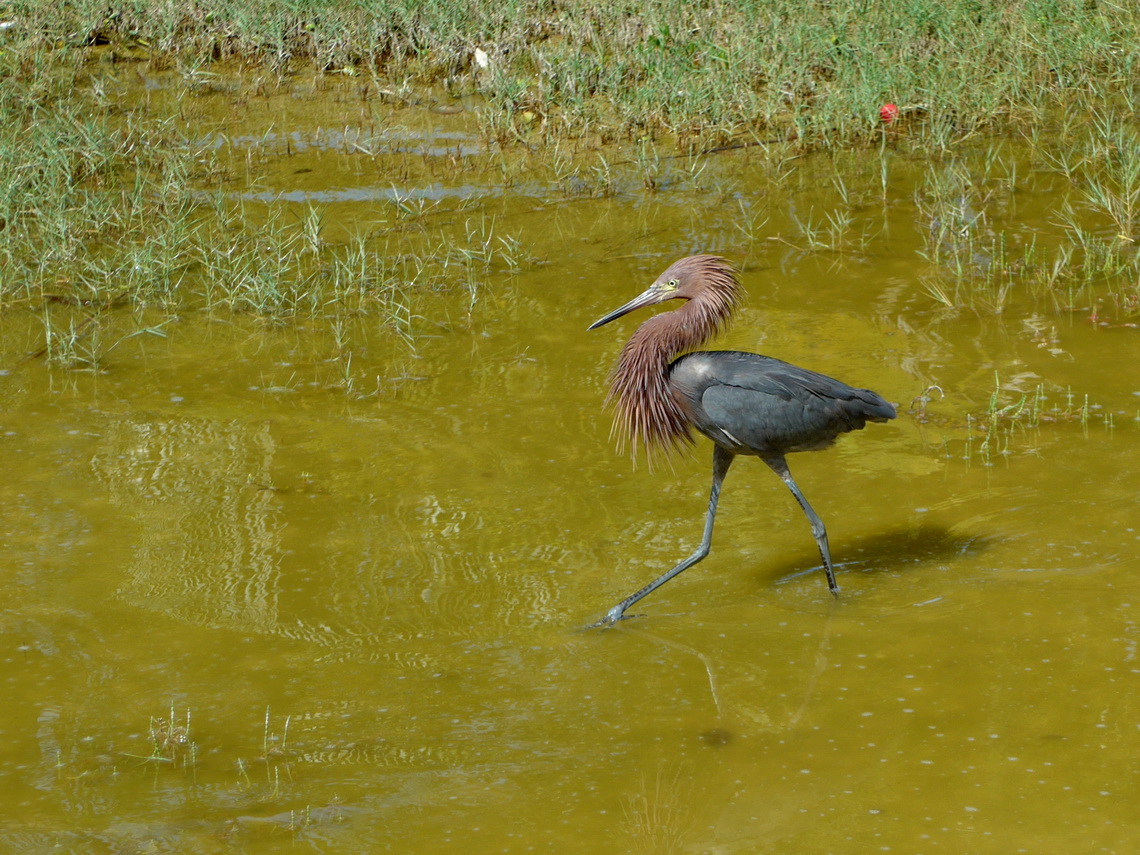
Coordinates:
x,y
663,387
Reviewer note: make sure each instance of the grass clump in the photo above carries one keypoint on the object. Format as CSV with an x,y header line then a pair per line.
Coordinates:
x,y
1087,252
109,205
1014,413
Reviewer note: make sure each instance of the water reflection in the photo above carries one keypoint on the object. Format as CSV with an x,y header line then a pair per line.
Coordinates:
x,y
210,559
351,140
432,192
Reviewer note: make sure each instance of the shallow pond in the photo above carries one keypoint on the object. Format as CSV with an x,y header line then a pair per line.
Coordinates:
x,y
253,606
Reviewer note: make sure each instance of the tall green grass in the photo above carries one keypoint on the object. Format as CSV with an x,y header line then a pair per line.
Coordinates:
x,y
701,71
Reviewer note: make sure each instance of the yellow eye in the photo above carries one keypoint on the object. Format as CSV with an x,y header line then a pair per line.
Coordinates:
x,y
673,283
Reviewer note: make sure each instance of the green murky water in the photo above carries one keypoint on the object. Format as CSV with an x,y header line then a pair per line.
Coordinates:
x,y
250,609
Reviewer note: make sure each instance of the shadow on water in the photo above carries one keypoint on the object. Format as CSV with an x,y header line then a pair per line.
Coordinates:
x,y
902,550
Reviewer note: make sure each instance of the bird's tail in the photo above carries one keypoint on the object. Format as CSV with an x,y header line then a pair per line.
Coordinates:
x,y
874,408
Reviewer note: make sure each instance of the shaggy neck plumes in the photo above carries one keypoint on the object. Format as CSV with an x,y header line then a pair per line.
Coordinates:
x,y
647,412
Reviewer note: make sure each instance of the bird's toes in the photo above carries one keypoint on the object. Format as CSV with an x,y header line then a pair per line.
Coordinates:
x,y
610,618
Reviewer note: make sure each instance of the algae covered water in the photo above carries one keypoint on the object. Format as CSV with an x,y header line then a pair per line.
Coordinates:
x,y
315,580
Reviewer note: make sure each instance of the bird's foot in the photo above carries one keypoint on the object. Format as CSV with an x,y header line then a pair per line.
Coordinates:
x,y
610,618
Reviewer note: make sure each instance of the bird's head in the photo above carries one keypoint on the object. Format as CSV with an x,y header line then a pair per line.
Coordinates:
x,y
690,278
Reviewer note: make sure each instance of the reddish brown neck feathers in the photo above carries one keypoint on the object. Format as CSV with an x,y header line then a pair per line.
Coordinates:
x,y
647,412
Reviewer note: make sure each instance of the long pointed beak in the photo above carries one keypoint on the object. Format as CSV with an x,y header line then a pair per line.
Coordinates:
x,y
646,298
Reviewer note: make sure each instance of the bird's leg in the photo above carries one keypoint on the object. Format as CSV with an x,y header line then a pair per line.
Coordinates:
x,y
819,532
722,459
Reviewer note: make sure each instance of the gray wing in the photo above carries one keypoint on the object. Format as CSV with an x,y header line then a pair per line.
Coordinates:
x,y
761,405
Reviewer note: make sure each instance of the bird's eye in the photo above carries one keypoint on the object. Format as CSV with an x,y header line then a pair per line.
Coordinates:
x,y
673,283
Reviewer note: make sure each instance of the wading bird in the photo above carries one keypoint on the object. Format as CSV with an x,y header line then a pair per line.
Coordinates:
x,y
745,403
